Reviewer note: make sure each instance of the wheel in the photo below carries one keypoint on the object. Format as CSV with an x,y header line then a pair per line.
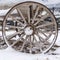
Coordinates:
x,y
34,30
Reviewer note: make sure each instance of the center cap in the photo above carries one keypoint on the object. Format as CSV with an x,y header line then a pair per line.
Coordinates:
x,y
28,31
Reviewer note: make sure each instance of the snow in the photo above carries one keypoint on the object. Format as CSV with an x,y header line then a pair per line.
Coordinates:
x,y
58,39
3,12
10,54
17,1
13,2
44,12
57,51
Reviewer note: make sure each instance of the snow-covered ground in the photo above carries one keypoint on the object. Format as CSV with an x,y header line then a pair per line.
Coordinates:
x,y
9,54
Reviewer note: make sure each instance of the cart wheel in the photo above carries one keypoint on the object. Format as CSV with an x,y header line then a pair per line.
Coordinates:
x,y
34,30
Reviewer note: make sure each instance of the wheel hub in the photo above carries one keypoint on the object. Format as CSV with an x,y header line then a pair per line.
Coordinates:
x,y
28,30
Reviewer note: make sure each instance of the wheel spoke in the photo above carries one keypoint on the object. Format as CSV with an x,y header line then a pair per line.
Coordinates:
x,y
51,32
20,13
14,27
31,11
38,43
22,24
39,20
35,14
42,19
44,41
25,40
29,15
42,33
16,33
33,38
47,24
14,19
19,39
30,44
40,38
45,16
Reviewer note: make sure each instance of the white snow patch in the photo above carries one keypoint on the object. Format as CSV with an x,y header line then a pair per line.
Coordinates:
x,y
3,12
13,2
44,13
17,1
10,54
57,51
58,39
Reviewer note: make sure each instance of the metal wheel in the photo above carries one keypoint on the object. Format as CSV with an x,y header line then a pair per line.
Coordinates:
x,y
34,30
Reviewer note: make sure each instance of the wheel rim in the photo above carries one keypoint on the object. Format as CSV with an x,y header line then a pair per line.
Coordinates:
x,y
35,27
